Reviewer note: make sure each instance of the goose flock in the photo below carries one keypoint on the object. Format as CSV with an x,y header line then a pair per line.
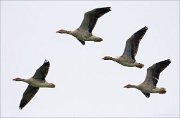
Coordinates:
x,y
84,33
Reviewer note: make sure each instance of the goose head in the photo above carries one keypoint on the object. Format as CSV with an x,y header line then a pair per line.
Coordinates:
x,y
107,58
17,79
128,86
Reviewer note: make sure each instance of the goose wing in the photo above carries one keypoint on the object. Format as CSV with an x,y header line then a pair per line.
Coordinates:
x,y
91,17
28,95
132,43
154,71
42,71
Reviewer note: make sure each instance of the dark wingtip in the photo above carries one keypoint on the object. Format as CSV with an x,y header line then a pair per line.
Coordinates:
x,y
105,9
146,28
21,107
162,65
46,62
109,8
142,31
168,61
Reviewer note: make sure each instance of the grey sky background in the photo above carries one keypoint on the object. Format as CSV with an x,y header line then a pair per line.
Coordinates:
x,y
86,85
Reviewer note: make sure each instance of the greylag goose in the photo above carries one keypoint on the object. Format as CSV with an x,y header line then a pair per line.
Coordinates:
x,y
152,77
84,32
35,82
130,51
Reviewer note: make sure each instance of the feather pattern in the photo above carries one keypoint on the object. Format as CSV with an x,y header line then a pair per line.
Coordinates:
x,y
42,71
91,17
132,43
28,95
154,71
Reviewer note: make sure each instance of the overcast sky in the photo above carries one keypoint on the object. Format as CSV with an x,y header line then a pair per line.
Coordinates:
x,y
86,85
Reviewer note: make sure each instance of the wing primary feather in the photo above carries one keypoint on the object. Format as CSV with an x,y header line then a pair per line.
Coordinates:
x,y
154,71
42,71
132,43
91,17
28,95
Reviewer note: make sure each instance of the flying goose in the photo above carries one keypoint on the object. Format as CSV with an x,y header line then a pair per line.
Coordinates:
x,y
84,32
35,82
130,51
152,77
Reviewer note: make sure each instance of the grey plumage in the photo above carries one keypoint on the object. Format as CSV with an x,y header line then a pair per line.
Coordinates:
x,y
132,43
30,92
42,71
28,95
84,31
91,17
153,73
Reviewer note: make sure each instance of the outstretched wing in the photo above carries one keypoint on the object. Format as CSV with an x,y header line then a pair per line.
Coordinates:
x,y
154,71
42,71
91,17
28,95
132,43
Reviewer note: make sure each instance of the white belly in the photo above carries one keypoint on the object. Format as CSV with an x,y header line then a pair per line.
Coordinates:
x,y
126,62
82,35
37,83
